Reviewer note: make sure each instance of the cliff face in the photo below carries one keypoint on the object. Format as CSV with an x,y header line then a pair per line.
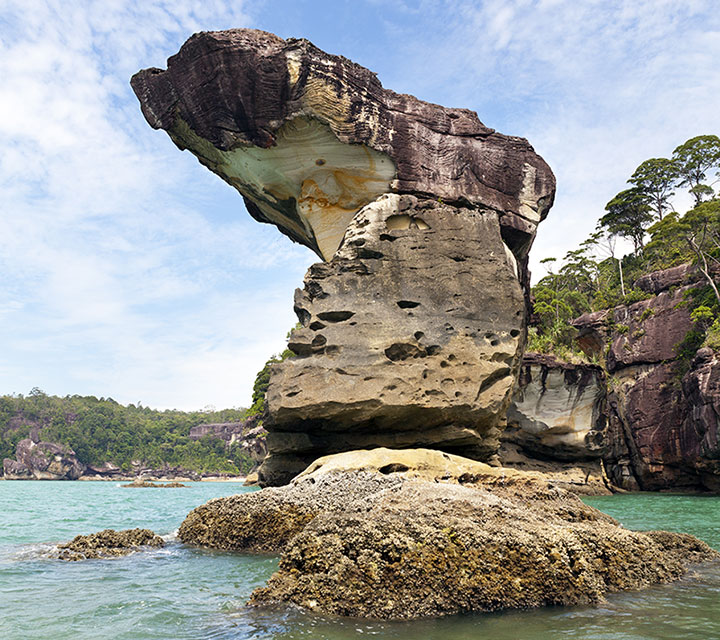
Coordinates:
x,y
662,426
246,433
558,410
412,328
42,461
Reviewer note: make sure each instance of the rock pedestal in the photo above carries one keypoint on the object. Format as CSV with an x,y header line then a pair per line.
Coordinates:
x,y
413,325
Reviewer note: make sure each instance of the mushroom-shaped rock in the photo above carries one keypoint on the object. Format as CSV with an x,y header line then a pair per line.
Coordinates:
x,y
413,326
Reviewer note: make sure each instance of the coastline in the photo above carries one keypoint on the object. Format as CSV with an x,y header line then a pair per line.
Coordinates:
x,y
131,479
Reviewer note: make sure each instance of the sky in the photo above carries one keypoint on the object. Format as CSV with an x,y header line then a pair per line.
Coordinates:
x,y
129,271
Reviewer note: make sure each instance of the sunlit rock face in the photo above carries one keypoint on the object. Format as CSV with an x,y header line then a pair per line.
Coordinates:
x,y
413,325
557,411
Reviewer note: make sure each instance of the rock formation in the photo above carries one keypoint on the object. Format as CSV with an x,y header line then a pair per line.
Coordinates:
x,y
42,461
108,544
413,326
138,483
405,534
556,423
248,434
557,409
663,421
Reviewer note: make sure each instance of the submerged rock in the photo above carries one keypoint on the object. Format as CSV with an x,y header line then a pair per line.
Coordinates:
x,y
407,534
413,327
138,483
108,543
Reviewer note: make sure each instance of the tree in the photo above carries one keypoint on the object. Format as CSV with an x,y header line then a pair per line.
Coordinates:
x,y
262,379
604,243
701,229
693,159
656,178
628,215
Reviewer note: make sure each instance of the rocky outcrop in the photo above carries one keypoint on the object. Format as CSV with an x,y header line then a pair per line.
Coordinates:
x,y
413,327
147,484
556,423
43,461
662,427
106,470
108,544
227,431
384,536
248,434
659,281
558,409
264,521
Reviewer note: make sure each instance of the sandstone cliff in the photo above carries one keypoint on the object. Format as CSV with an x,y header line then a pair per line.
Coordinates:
x,y
413,326
556,423
662,423
42,461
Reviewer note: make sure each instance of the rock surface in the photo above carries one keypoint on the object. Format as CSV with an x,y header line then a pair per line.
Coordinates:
x,y
556,424
308,138
413,329
108,543
397,349
662,423
43,461
557,409
248,434
264,521
388,534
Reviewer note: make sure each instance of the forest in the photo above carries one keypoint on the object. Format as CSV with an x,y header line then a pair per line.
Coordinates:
x,y
101,430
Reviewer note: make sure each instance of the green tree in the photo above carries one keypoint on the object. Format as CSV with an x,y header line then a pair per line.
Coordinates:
x,y
655,178
701,230
628,215
694,159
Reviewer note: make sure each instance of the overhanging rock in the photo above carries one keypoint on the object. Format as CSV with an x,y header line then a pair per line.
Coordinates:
x,y
414,324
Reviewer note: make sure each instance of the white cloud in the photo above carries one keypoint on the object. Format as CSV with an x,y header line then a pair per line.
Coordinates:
x,y
119,277
596,86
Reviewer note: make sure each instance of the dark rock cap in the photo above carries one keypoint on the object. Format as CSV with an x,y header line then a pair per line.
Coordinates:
x,y
245,89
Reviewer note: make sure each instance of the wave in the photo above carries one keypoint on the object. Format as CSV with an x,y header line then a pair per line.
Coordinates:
x,y
171,537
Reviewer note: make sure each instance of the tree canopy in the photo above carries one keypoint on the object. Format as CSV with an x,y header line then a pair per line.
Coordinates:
x,y
593,277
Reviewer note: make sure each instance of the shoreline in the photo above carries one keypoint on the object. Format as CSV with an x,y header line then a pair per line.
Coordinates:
x,y
129,479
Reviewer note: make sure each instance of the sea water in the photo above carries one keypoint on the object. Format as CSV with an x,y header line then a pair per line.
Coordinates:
x,y
180,592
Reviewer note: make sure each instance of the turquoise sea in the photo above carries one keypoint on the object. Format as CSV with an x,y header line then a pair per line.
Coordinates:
x,y
179,592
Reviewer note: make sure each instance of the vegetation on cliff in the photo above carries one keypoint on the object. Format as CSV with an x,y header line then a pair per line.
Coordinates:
x,y
597,276
101,430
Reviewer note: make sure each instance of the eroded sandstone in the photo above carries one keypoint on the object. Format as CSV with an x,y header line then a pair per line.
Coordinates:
x,y
413,326
108,544
405,534
37,460
557,410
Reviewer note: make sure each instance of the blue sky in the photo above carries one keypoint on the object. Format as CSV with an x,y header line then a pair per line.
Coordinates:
x,y
128,270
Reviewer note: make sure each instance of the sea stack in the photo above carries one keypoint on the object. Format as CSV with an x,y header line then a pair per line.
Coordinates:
x,y
413,324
